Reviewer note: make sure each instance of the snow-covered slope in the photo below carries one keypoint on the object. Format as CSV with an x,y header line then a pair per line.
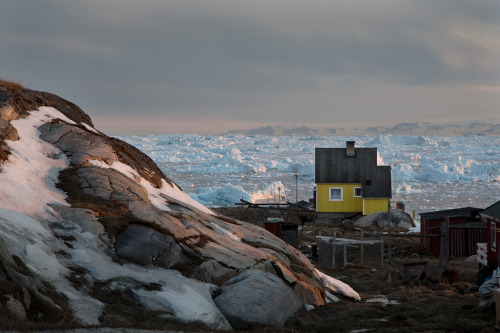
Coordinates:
x,y
93,232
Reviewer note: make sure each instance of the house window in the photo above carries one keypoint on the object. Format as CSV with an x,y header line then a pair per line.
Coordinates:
x,y
493,232
335,193
357,192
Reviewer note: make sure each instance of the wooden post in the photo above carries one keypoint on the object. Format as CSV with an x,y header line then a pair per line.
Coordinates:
x,y
345,255
389,250
318,244
381,251
447,242
441,246
362,249
333,249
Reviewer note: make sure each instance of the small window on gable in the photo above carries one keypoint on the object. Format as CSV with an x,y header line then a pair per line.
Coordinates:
x,y
493,232
357,192
368,182
336,194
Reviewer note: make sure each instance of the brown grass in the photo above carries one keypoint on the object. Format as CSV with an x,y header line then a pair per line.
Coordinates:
x,y
11,86
424,306
21,99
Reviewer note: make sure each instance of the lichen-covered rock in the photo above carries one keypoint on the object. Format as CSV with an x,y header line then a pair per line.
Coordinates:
x,y
109,184
254,298
79,145
124,241
7,131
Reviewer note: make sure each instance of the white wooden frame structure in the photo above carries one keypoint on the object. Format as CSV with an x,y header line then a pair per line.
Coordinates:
x,y
345,243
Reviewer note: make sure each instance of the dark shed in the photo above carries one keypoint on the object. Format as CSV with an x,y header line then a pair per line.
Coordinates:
x,y
466,230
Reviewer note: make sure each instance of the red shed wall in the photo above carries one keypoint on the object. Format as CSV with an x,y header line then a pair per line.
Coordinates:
x,y
462,241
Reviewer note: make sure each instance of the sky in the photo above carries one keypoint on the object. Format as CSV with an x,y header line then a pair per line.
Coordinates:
x,y
209,66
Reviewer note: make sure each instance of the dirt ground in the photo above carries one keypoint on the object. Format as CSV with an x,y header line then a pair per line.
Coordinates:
x,y
414,305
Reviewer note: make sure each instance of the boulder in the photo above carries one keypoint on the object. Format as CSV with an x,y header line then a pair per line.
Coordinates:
x,y
213,272
399,219
257,297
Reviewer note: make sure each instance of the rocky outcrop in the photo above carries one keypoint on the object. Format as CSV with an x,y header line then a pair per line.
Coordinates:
x,y
122,243
399,219
146,246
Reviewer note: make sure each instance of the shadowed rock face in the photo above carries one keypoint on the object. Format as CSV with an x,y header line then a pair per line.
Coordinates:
x,y
124,207
252,298
399,219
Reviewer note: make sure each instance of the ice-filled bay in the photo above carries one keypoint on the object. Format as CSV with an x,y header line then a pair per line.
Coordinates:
x,y
430,172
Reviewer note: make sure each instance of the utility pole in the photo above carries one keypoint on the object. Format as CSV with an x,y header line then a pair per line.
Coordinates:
x,y
395,202
389,245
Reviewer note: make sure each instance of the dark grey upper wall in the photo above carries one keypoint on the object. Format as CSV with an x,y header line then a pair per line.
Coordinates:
x,y
493,211
333,166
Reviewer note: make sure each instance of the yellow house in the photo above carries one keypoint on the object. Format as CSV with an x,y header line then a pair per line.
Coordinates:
x,y
349,181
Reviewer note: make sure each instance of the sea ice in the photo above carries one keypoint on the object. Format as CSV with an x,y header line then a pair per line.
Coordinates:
x,y
467,167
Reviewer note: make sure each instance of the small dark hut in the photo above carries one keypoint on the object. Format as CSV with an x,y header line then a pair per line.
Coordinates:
x,y
465,230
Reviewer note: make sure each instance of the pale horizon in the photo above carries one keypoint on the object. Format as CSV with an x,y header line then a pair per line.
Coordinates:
x,y
138,126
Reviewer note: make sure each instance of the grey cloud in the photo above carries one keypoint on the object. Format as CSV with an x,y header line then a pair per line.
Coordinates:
x,y
231,58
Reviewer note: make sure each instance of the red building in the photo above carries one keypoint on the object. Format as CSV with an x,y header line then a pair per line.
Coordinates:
x,y
465,231
491,216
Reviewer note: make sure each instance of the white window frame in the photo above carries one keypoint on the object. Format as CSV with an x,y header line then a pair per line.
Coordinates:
x,y
336,188
493,233
354,192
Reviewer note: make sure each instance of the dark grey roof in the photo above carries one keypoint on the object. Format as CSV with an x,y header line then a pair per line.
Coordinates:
x,y
332,165
493,210
457,212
